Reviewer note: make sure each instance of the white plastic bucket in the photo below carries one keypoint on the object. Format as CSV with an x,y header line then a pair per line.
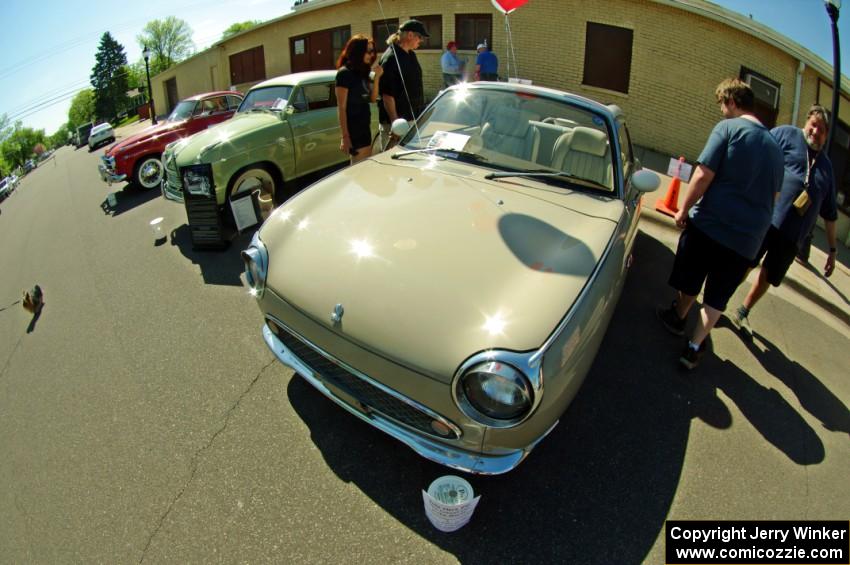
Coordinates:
x,y
156,227
449,503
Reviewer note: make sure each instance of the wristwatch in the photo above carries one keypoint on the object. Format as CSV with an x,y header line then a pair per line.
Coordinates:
x,y
832,249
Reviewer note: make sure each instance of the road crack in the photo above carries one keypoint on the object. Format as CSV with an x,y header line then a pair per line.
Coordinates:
x,y
198,455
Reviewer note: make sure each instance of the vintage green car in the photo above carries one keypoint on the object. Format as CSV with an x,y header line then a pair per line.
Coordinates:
x,y
234,174
453,292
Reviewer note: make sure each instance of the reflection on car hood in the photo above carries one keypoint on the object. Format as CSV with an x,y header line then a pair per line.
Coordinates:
x,y
432,267
146,134
222,134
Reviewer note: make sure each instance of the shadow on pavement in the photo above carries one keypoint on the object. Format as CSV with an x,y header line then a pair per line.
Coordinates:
x,y
35,317
768,412
221,267
813,395
127,199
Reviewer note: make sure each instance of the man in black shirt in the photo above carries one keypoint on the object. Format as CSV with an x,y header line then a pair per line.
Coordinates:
x,y
402,94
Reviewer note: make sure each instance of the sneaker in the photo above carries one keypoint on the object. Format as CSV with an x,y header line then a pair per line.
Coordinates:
x,y
690,357
671,320
742,321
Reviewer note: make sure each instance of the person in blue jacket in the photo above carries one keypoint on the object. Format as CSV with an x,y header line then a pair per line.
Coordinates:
x,y
808,190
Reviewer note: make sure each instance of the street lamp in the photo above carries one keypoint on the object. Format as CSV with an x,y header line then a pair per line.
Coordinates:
x,y
832,8
147,55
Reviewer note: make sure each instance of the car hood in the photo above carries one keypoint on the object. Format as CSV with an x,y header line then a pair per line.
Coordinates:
x,y
219,136
435,264
164,128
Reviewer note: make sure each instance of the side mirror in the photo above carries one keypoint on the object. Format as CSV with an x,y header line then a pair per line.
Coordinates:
x,y
400,127
645,181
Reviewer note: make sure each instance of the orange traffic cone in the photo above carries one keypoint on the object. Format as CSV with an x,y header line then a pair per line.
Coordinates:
x,y
670,203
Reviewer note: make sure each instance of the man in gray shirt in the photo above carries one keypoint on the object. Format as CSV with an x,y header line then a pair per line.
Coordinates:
x,y
725,215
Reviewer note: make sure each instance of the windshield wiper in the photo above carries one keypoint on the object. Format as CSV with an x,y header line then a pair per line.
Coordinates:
x,y
544,174
451,152
262,109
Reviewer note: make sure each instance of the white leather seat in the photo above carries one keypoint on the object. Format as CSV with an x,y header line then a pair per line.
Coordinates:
x,y
584,153
509,131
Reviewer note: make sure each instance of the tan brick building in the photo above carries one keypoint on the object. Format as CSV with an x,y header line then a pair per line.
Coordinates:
x,y
658,59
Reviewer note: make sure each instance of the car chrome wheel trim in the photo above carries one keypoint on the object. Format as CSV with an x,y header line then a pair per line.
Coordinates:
x,y
150,173
520,362
257,180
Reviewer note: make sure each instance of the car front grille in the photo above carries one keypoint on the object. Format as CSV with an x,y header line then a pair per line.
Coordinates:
x,y
172,175
202,212
369,395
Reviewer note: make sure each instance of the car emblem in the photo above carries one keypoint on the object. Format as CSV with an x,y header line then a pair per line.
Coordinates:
x,y
336,316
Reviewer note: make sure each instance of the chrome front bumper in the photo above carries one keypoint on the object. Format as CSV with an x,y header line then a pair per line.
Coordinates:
x,y
108,175
478,463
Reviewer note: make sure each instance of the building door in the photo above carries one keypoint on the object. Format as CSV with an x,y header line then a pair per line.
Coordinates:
x,y
171,93
317,50
299,52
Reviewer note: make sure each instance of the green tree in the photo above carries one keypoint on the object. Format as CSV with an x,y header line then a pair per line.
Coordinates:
x,y
109,78
19,145
239,27
82,109
136,76
170,41
59,138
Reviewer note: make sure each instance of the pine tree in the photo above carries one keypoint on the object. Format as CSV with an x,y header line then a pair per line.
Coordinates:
x,y
109,78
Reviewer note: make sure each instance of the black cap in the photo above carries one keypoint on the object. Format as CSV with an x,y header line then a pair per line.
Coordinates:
x,y
414,26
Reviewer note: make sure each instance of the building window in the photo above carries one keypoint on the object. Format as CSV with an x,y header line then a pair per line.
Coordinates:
x,y
472,29
434,25
766,93
381,30
607,57
339,37
248,66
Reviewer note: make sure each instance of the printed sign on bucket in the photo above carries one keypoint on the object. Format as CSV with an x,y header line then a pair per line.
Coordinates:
x,y
449,503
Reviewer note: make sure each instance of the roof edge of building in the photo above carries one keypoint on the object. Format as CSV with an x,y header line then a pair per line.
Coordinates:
x,y
770,36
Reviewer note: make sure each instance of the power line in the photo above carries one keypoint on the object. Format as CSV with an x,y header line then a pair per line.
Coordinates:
x,y
82,39
45,101
68,96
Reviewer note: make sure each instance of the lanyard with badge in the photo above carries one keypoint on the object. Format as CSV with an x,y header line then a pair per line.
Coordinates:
x,y
802,203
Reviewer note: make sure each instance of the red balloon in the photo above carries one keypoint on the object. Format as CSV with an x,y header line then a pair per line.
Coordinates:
x,y
508,6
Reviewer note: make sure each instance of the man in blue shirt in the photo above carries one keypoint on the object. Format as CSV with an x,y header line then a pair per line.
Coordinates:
x,y
487,64
808,189
726,212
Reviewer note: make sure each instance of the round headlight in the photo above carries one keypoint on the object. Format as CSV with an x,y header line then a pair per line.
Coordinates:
x,y
498,391
256,261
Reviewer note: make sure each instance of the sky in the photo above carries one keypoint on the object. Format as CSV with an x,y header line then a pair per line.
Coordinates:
x,y
49,46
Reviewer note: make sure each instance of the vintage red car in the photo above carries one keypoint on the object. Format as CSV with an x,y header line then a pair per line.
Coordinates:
x,y
136,159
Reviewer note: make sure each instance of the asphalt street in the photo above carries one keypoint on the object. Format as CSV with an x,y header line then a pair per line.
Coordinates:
x,y
143,419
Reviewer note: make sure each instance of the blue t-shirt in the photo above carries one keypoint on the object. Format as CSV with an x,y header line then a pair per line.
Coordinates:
x,y
821,190
737,208
488,61
451,64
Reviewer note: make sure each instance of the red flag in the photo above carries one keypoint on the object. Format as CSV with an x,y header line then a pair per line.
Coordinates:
x,y
508,6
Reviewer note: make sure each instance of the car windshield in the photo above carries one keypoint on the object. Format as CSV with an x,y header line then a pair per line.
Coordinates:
x,y
267,98
518,132
182,111
100,128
